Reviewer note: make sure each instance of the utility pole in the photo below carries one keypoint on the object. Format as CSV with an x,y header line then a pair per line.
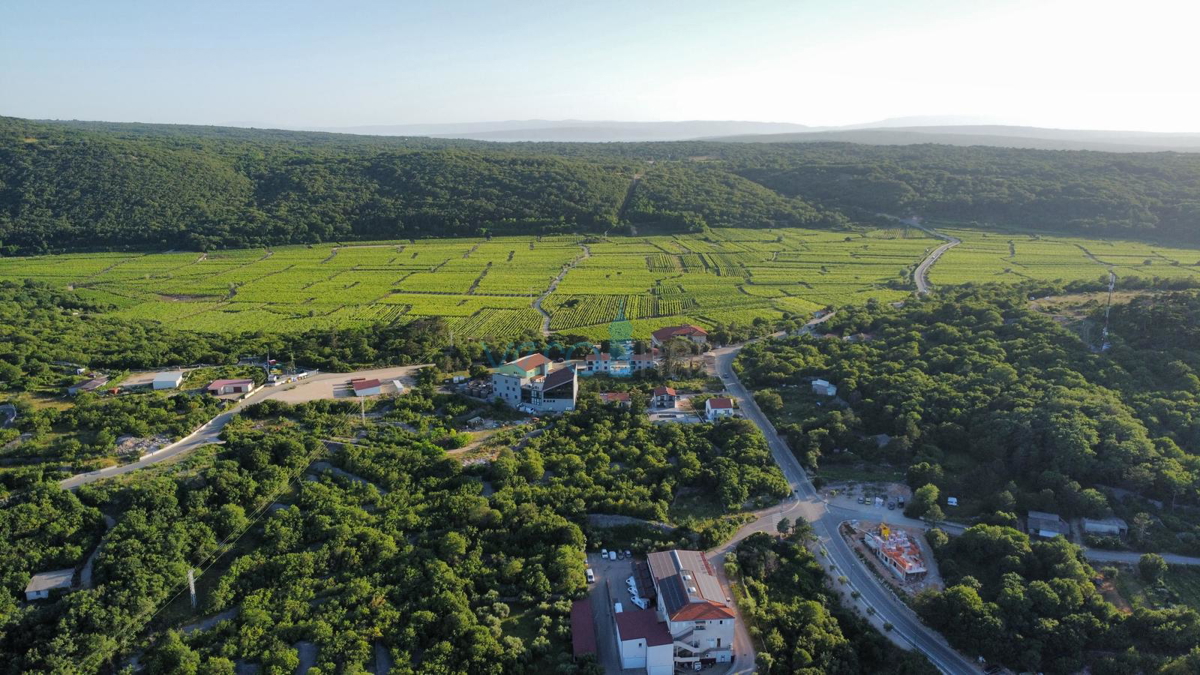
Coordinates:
x,y
362,406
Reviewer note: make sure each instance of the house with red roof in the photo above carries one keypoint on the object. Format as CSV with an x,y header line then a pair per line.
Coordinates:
x,y
692,606
644,642
687,331
718,407
665,397
531,383
620,398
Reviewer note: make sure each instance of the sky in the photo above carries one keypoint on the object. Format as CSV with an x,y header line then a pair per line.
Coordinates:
x,y
1096,64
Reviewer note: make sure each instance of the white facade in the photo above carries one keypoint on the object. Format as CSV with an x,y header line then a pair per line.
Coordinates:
x,y
657,660
168,380
715,412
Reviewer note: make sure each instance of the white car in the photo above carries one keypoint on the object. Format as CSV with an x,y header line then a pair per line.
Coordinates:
x,y
603,553
591,576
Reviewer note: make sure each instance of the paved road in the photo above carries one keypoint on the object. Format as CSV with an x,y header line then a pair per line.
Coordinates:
x,y
921,276
319,385
806,503
1100,556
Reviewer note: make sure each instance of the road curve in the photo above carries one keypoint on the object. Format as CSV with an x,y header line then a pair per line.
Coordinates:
x,y
807,503
210,431
921,275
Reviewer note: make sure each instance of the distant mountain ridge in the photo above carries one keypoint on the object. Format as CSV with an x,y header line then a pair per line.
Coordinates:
x,y
993,135
575,131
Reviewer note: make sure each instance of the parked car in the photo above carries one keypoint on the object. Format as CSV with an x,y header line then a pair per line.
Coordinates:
x,y
628,553
862,500
620,555
591,576
891,506
900,502
630,581
612,555
603,553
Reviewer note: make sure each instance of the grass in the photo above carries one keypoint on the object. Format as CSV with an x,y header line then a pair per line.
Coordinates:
x,y
1180,585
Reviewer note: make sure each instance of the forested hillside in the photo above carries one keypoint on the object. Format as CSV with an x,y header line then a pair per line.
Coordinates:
x,y
75,185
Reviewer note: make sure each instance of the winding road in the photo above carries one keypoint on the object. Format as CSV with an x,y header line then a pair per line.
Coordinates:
x,y
807,504
921,275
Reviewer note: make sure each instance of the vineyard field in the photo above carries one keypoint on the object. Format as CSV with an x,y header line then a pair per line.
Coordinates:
x,y
488,287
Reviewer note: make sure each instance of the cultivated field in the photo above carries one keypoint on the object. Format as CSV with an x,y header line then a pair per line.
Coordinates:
x,y
487,288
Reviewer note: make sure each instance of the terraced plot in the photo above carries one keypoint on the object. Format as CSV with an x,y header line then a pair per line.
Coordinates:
x,y
486,288
995,256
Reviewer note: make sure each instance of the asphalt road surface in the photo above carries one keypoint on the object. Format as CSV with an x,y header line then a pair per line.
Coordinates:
x,y
921,276
321,385
806,503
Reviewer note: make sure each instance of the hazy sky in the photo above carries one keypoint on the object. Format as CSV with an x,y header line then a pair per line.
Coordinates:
x,y
1082,64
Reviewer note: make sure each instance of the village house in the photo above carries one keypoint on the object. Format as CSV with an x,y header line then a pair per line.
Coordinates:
x,y
644,642
227,387
530,383
693,607
718,407
640,362
687,331
665,397
1046,525
41,584
615,397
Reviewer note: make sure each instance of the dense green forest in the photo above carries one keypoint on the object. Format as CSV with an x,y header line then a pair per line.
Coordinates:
x,y
74,185
1002,406
801,624
450,567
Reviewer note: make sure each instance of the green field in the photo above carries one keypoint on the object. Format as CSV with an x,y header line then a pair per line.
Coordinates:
x,y
486,288
1004,256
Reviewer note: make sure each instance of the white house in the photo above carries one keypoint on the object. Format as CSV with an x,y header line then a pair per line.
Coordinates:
x,y
665,397
40,585
823,388
225,387
171,380
644,642
692,604
717,407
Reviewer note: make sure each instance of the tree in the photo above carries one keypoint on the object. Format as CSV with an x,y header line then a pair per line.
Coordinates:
x,y
784,526
934,515
1152,567
923,499
1139,525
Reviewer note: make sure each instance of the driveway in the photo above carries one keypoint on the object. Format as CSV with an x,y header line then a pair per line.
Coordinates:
x,y
609,588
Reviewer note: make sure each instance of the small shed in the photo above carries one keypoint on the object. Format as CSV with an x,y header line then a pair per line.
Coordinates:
x,y
1106,527
824,388
366,387
224,387
1046,525
91,384
41,584
170,380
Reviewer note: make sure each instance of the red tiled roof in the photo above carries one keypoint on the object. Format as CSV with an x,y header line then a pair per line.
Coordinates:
x,y
664,391
583,628
706,610
532,361
686,330
643,624
598,357
719,402
360,385
612,396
